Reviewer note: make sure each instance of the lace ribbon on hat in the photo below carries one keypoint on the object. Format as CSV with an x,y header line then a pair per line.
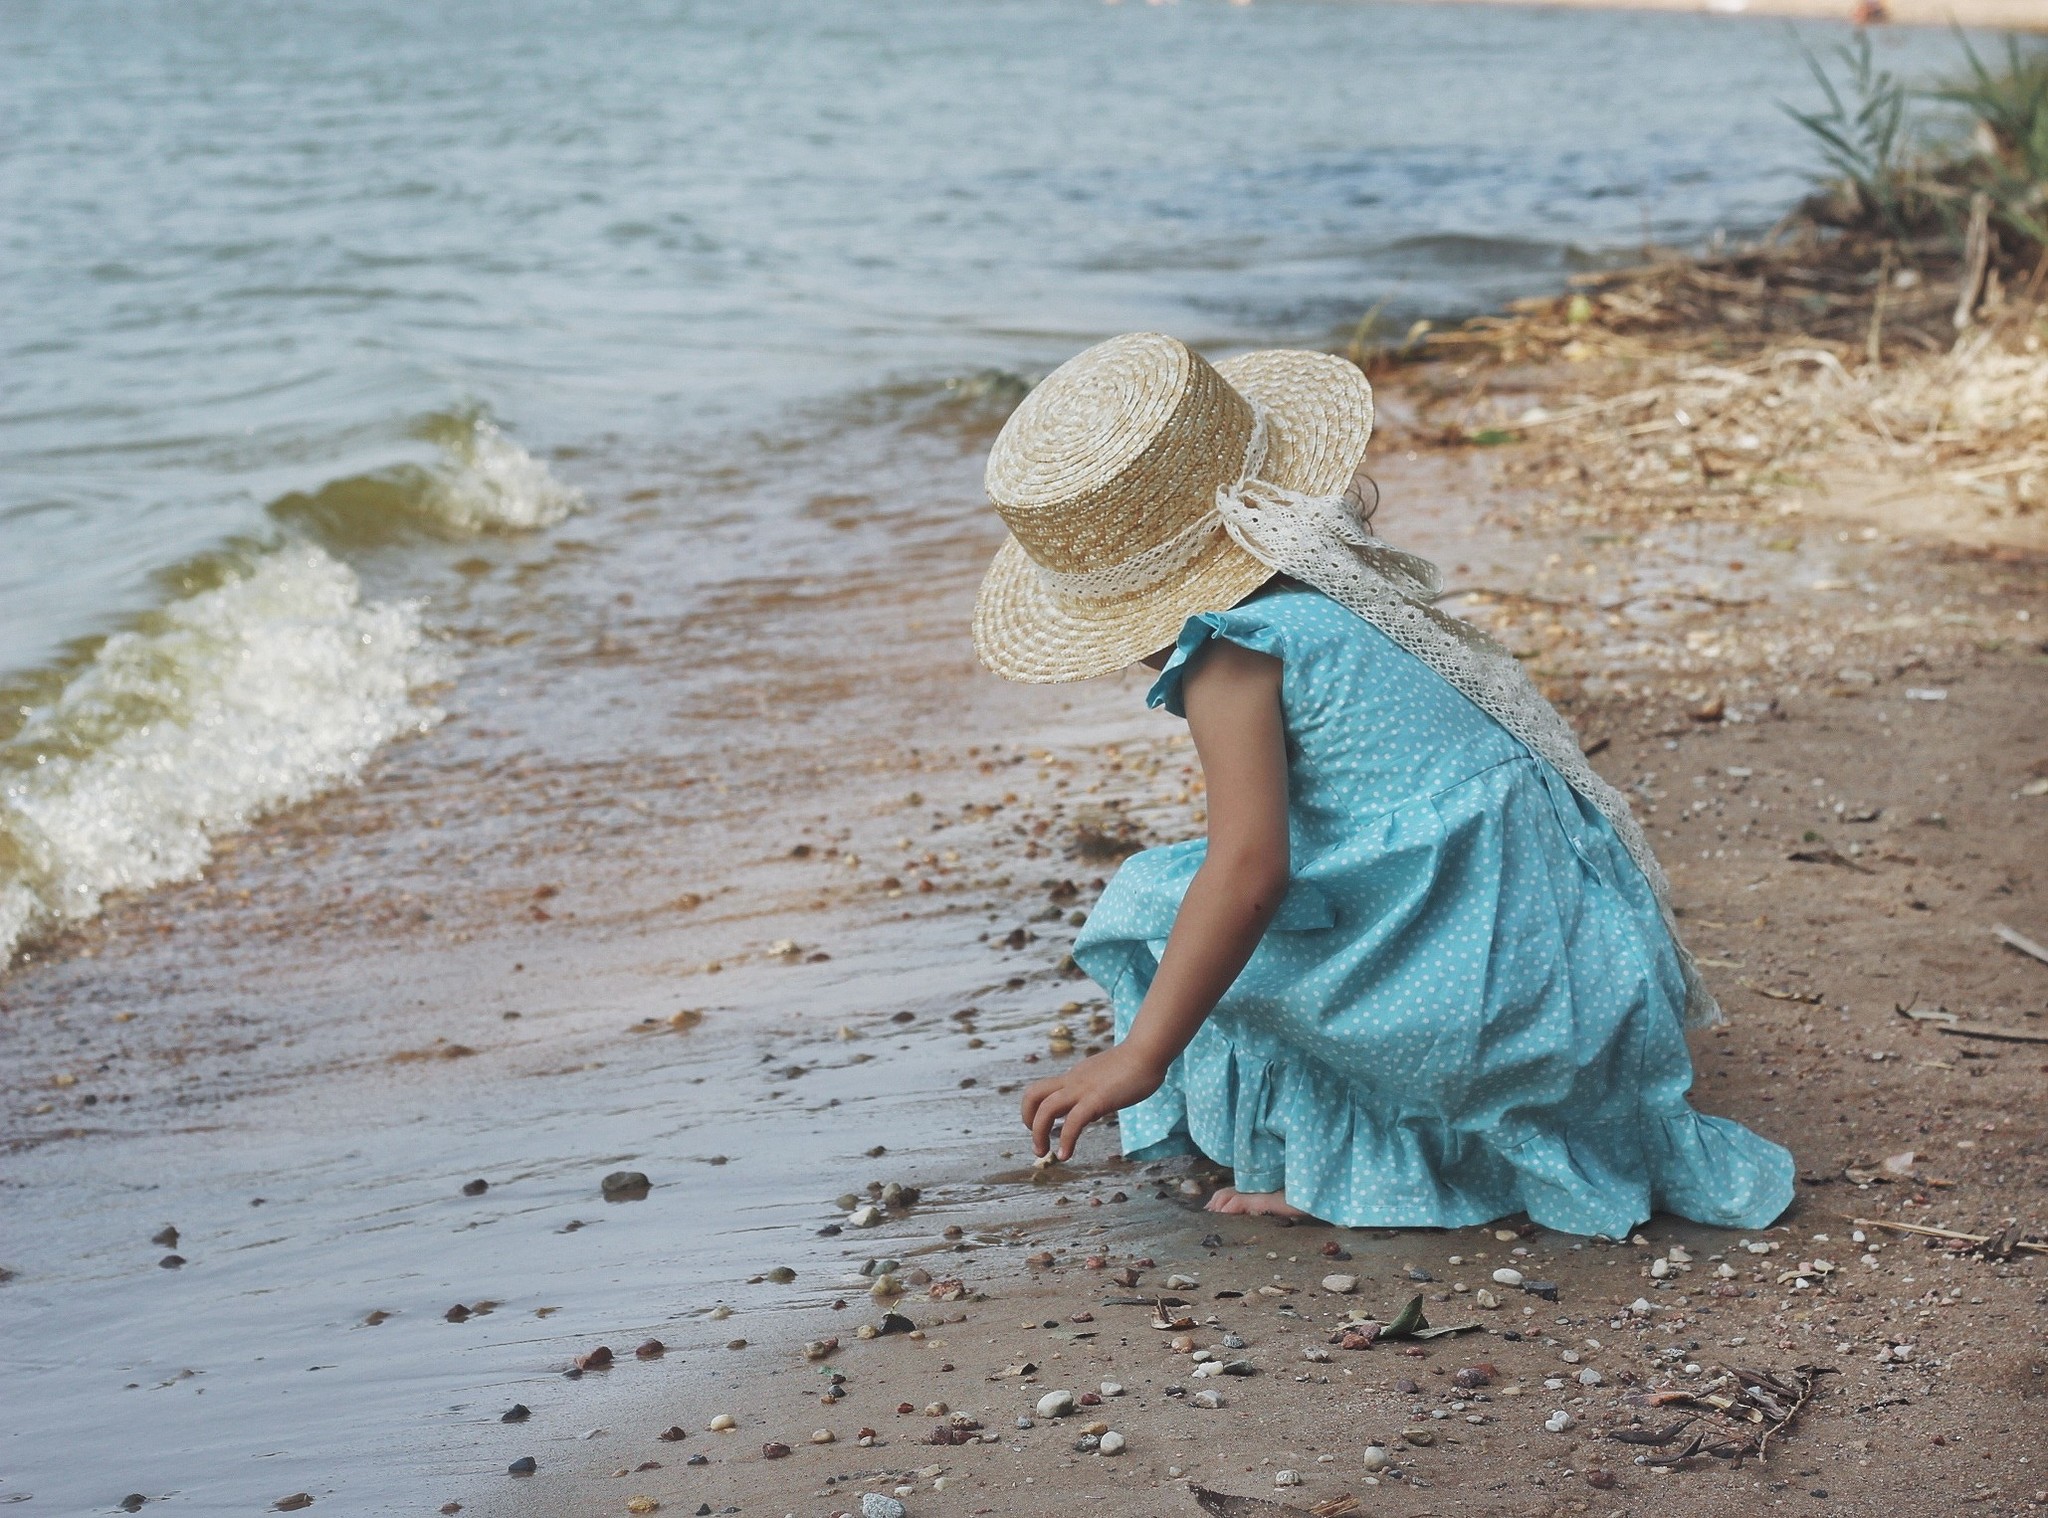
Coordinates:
x,y
1322,541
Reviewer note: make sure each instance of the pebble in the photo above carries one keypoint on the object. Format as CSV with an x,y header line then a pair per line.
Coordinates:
x,y
525,1465
724,1423
1558,1421
1343,1286
1239,1368
782,1275
475,1188
1419,1436
1209,1368
652,1349
867,1216
1113,1444
1181,1283
876,1505
642,1504
823,1436
1589,1377
1112,1388
1484,1298
1209,1399
625,1186
1287,1478
518,1412
1375,1458
774,1449
1507,1275
886,1285
1055,1404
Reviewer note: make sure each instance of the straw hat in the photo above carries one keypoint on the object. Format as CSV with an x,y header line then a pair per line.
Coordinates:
x,y
1108,475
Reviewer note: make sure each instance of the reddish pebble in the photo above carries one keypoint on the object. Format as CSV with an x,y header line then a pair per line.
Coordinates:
x,y
1090,1399
672,1433
905,1407
774,1451
653,1349
596,1359
457,1314
1604,1480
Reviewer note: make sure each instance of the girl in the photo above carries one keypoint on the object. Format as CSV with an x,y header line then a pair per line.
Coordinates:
x,y
1420,973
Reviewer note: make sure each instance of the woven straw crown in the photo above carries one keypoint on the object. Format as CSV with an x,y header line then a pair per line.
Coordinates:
x,y
1106,475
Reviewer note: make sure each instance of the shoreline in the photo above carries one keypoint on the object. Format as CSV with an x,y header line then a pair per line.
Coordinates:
x,y
2001,15
347,970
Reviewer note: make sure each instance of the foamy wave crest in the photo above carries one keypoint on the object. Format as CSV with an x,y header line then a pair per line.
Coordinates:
x,y
482,482
271,687
490,483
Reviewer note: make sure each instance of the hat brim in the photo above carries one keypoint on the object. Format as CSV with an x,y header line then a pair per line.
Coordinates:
x,y
1319,422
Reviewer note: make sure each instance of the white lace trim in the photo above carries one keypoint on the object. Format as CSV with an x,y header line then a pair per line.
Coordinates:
x,y
1321,541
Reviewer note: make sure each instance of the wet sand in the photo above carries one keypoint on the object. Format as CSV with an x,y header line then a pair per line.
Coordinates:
x,y
747,828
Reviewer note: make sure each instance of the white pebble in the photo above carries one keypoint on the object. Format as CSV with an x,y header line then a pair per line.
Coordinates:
x,y
1558,1421
1287,1478
1055,1404
1209,1399
1112,1388
1112,1444
1507,1275
1375,1458
1343,1286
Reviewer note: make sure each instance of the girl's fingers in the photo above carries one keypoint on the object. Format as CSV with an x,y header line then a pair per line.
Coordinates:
x,y
1055,1103
1079,1116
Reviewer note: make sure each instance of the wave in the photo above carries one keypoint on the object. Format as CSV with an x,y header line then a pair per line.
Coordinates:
x,y
481,482
274,682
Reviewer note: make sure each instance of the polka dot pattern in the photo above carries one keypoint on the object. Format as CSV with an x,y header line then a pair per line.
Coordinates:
x,y
1468,1005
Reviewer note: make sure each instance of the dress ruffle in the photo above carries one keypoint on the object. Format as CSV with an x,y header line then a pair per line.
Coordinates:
x,y
1467,1006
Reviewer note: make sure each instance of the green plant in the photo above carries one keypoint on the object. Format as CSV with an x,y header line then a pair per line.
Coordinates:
x,y
2011,104
1866,145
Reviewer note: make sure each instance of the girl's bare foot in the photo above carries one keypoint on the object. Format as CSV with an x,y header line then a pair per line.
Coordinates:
x,y
1264,1203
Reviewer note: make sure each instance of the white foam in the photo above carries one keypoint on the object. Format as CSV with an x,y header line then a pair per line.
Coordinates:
x,y
263,692
489,483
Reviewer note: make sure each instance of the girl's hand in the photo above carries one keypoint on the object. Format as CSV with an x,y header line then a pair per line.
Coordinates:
x,y
1100,1084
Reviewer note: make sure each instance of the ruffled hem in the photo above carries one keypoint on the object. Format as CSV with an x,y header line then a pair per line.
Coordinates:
x,y
1345,1163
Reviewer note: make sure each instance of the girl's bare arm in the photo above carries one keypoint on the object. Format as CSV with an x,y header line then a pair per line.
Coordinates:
x,y
1233,705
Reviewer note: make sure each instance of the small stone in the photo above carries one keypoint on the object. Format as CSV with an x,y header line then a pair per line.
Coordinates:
x,y
642,1504
1055,1404
1239,1368
1419,1436
774,1449
876,1505
518,1412
596,1359
1232,1341
1112,1389
1113,1444
1287,1478
651,1349
525,1465
1507,1275
172,1262
132,1503
886,1285
936,1409
164,1238
674,1433
1589,1377
1343,1286
1558,1421
292,1503
1484,1298
823,1436
1375,1458
1181,1283
867,1216
724,1423
1087,1444
782,1275
475,1188
847,1202
719,1313
735,1343
625,1186
1208,1399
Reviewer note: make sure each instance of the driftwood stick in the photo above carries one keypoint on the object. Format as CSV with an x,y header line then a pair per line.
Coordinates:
x,y
1992,1031
2020,941
1951,1234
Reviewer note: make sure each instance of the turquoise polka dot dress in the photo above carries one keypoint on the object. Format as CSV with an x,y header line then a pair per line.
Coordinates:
x,y
1468,1004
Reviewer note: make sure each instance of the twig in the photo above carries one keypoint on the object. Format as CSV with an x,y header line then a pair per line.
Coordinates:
x,y
1976,260
1951,1234
1992,1031
1808,1385
1873,340
2021,942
